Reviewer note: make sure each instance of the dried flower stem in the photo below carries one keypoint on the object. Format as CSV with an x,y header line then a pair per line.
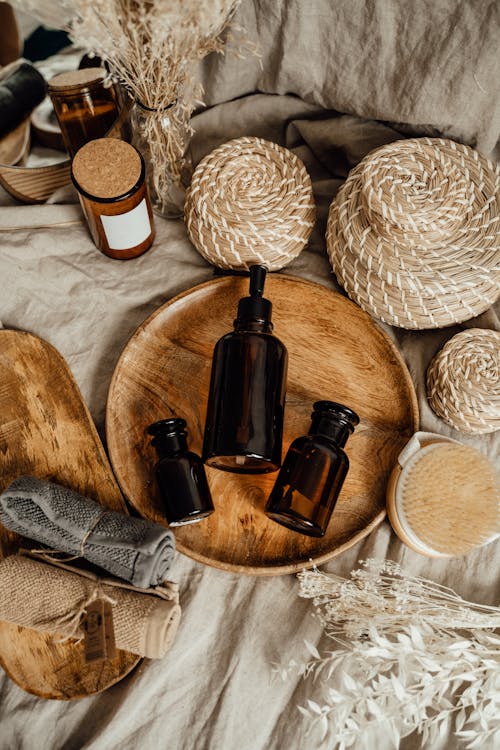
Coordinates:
x,y
151,47
413,656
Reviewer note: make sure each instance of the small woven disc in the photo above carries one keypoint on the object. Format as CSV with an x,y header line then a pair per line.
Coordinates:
x,y
463,381
449,499
413,234
250,201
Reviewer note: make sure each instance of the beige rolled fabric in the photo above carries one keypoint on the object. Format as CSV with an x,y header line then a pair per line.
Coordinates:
x,y
52,599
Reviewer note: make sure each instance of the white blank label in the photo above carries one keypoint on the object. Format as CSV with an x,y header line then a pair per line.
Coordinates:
x,y
124,231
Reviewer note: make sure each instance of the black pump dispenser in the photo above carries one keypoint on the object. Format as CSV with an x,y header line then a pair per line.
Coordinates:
x,y
255,307
244,424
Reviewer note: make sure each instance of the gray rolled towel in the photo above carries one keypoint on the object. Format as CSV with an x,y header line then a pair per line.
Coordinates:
x,y
134,549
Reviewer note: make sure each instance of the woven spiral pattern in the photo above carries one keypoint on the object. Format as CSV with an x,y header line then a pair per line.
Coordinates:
x,y
250,201
414,233
463,381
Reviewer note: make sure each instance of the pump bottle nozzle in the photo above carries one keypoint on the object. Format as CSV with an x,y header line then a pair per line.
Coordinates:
x,y
257,280
255,306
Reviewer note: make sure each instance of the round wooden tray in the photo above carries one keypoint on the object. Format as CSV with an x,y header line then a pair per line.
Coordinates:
x,y
47,431
335,351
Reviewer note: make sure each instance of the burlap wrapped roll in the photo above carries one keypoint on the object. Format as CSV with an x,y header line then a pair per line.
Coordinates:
x,y
413,235
463,381
52,600
250,202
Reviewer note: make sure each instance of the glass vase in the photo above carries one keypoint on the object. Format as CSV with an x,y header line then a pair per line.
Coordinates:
x,y
163,137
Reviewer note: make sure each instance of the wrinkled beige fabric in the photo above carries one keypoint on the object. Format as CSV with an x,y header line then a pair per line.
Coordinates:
x,y
215,689
434,65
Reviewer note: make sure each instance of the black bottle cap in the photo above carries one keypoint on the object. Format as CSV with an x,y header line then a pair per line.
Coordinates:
x,y
169,435
337,411
333,420
255,307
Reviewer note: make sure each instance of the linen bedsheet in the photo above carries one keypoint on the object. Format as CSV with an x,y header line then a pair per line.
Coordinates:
x,y
215,689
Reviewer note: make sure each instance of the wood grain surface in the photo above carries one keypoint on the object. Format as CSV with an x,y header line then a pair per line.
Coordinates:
x,y
46,431
14,146
335,352
35,184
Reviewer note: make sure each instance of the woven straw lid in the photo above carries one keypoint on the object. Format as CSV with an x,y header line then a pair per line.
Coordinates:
x,y
250,201
414,233
463,381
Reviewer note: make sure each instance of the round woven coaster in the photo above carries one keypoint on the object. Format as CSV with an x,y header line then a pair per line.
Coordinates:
x,y
413,235
250,201
463,381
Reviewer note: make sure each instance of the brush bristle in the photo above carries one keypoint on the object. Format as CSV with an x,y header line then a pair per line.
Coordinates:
x,y
451,499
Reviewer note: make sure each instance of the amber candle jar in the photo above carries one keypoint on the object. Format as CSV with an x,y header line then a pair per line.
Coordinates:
x,y
84,107
109,175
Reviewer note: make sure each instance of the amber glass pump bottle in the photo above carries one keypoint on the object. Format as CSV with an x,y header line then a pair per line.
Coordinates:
x,y
244,424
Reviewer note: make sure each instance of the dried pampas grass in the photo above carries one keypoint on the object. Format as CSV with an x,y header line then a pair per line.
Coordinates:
x,y
149,45
152,48
412,656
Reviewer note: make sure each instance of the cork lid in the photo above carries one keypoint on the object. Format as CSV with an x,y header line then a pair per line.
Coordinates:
x,y
76,79
107,168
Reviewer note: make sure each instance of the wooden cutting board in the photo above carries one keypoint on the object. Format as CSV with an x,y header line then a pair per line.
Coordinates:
x,y
336,352
46,431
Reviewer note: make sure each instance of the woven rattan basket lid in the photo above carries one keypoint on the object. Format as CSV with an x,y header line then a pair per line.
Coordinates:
x,y
414,233
463,381
250,201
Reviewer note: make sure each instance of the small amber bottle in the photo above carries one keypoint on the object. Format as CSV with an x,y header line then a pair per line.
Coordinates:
x,y
180,474
244,424
85,108
110,177
313,472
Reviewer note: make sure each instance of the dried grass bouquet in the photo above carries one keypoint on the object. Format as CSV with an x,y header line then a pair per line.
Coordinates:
x,y
151,47
411,655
